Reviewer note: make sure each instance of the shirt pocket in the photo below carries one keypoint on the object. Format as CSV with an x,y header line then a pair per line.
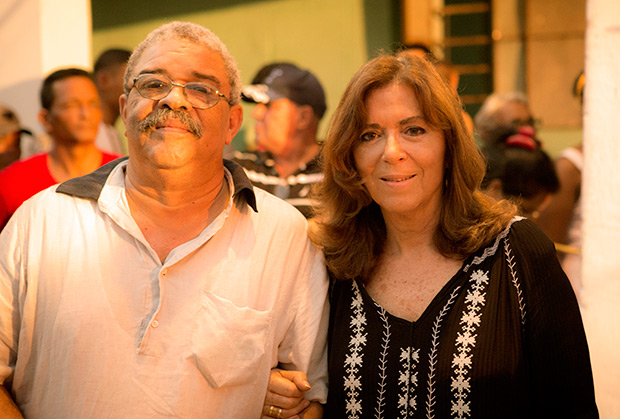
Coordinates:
x,y
229,341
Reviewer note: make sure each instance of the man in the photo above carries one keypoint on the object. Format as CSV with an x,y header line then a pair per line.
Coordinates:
x,y
502,113
162,285
71,113
290,103
109,71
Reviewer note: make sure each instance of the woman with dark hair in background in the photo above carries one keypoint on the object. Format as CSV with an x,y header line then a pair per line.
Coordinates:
x,y
444,302
518,169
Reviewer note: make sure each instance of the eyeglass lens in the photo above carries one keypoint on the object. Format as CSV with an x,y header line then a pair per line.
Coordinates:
x,y
155,87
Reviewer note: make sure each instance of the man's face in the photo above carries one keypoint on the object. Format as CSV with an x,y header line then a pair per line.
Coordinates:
x,y
75,113
112,84
275,125
189,136
515,115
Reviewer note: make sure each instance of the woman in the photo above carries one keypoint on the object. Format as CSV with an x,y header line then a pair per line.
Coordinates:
x,y
444,304
518,169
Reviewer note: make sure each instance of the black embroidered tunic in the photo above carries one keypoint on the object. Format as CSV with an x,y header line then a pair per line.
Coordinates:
x,y
502,339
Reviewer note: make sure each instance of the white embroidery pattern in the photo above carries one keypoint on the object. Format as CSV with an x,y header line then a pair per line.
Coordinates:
x,y
408,380
515,279
465,341
491,250
385,345
432,357
353,361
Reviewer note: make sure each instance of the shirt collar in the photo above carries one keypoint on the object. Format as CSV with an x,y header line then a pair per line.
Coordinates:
x,y
91,185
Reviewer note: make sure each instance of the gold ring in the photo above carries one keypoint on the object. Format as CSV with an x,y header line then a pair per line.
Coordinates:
x,y
275,412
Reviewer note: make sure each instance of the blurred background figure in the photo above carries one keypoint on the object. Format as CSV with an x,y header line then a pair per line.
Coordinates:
x,y
500,113
290,103
10,136
419,49
561,220
109,71
451,74
519,170
71,114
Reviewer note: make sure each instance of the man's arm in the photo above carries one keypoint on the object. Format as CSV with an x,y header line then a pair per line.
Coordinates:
x,y
7,406
555,219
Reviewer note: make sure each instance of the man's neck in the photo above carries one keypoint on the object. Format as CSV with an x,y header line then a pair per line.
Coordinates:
x,y
288,164
171,209
69,161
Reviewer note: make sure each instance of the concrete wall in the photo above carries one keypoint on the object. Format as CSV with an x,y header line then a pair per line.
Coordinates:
x,y
601,201
36,37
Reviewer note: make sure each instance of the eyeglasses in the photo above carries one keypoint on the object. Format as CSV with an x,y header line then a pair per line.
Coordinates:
x,y
532,122
157,87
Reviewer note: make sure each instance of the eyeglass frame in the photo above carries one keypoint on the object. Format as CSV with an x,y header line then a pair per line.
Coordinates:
x,y
172,84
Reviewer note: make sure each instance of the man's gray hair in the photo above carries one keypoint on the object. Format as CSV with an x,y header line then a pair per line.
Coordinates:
x,y
486,120
194,33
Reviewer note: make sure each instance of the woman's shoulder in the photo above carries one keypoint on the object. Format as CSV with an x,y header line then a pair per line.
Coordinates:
x,y
522,236
525,233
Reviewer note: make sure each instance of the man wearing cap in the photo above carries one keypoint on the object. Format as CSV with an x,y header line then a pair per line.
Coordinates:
x,y
290,103
10,133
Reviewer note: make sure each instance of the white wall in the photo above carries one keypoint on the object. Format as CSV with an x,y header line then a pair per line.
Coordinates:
x,y
36,37
601,200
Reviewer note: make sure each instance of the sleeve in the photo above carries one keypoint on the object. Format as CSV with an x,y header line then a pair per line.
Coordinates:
x,y
11,288
556,349
4,208
304,347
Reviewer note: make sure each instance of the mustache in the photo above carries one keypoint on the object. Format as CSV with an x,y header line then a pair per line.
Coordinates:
x,y
161,115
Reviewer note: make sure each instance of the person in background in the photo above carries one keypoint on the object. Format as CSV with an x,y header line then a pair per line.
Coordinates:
x,y
290,103
419,49
109,70
71,114
500,113
10,137
451,74
443,302
518,169
561,219
161,285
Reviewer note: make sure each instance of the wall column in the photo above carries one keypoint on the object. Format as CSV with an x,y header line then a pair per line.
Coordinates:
x,y
601,201
36,37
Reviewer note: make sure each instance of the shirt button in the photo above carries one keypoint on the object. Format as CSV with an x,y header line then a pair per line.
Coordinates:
x,y
154,323
164,271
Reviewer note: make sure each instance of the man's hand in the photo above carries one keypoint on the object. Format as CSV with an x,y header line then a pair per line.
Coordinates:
x,y
285,395
8,409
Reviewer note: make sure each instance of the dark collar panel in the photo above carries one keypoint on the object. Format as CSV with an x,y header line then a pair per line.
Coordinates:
x,y
90,185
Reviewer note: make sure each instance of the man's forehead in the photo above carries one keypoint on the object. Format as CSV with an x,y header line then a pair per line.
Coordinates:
x,y
69,83
199,60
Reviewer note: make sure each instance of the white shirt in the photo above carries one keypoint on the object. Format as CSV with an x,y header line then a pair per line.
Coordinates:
x,y
92,324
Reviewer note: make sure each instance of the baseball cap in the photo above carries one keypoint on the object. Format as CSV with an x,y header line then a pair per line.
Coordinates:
x,y
285,80
9,122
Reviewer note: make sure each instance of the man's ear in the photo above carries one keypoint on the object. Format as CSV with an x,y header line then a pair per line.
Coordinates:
x,y
122,101
305,116
235,117
102,80
43,116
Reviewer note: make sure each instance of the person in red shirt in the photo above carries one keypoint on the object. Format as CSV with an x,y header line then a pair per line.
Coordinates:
x,y
71,113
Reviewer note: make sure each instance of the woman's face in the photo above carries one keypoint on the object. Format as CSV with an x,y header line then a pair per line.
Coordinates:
x,y
400,157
